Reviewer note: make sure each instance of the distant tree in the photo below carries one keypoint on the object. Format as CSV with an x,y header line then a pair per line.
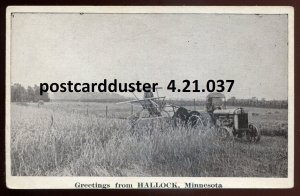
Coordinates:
x,y
231,101
45,97
20,94
14,93
30,93
36,90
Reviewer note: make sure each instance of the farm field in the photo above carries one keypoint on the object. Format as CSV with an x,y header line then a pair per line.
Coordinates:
x,y
76,139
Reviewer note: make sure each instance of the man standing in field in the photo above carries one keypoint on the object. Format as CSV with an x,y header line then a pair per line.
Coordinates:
x,y
150,104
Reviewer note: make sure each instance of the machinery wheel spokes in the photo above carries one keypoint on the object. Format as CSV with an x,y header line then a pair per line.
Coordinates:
x,y
195,120
253,135
224,133
180,117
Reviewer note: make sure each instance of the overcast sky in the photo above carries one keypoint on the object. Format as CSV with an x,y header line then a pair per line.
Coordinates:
x,y
250,49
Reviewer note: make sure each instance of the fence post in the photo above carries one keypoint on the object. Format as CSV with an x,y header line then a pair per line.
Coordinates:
x,y
195,104
106,110
131,109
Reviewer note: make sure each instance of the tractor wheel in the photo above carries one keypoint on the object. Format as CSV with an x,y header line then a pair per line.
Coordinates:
x,y
195,119
180,117
224,133
253,135
206,119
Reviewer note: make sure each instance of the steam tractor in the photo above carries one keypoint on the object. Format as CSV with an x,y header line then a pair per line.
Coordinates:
x,y
230,122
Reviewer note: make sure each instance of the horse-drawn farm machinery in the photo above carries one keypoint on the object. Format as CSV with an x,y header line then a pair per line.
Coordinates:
x,y
226,122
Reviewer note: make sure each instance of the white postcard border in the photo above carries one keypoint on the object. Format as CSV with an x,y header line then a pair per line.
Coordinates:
x,y
22,182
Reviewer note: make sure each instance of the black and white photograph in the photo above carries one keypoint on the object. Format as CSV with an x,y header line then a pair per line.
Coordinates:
x,y
149,97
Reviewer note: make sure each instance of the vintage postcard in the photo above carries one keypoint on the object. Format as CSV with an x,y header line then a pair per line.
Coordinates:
x,y
182,97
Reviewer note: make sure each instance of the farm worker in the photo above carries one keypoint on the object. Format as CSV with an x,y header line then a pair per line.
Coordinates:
x,y
209,105
150,104
148,94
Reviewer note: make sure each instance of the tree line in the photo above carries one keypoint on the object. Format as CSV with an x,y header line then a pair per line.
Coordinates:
x,y
252,102
30,94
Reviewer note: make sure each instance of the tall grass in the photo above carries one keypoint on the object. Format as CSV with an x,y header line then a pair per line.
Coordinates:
x,y
76,144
